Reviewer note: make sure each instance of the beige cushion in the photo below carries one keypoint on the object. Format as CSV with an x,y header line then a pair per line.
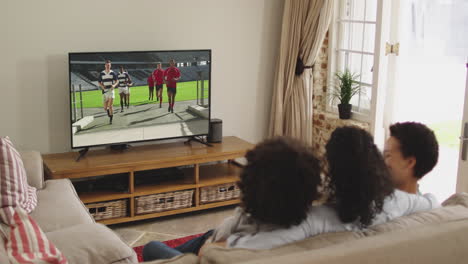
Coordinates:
x,y
214,254
455,208
446,243
182,259
457,199
91,243
58,206
434,216
3,253
25,241
34,169
15,190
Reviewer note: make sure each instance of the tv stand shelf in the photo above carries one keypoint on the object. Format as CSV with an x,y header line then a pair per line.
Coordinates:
x,y
198,172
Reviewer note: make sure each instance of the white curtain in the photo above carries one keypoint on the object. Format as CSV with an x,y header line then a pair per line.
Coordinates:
x,y
305,24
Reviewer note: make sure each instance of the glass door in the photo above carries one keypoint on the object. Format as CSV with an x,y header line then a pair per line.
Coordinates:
x,y
462,179
426,78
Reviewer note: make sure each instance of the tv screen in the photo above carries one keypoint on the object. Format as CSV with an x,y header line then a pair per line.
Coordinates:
x,y
123,97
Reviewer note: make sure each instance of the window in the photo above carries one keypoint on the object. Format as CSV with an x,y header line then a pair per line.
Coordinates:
x,y
352,46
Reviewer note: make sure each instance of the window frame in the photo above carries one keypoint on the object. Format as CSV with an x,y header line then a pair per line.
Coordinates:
x,y
334,36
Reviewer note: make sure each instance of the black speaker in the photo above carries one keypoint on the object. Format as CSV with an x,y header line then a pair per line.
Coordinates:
x,y
215,134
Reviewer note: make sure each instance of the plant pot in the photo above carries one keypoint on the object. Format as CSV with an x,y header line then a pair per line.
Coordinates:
x,y
344,111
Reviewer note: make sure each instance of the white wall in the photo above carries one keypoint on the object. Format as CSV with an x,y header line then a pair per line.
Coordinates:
x,y
36,36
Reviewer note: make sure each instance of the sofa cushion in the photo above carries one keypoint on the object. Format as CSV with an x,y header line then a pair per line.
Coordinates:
x,y
14,188
59,206
3,253
214,254
445,243
455,208
457,199
92,243
34,167
435,216
24,240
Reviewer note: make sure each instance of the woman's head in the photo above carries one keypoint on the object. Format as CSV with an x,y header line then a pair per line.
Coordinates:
x,y
280,181
357,176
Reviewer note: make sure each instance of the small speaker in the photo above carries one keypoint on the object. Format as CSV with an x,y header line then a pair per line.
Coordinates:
x,y
215,134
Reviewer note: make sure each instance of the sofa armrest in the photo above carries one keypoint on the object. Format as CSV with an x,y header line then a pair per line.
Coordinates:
x,y
32,161
58,206
92,244
460,198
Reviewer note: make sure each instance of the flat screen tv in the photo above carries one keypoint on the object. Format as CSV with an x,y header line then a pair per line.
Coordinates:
x,y
134,96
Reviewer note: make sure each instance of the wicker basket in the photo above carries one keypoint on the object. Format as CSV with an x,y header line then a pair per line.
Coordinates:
x,y
222,192
163,202
107,210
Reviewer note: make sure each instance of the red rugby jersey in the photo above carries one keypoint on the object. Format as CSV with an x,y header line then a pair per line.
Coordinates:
x,y
158,75
170,74
150,81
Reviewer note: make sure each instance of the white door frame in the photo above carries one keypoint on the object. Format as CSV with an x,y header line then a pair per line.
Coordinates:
x,y
379,87
462,176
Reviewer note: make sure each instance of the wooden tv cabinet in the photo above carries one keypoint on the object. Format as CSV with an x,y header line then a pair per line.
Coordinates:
x,y
197,159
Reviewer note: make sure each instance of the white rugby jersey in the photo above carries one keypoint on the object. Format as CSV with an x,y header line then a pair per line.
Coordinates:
x,y
124,79
107,79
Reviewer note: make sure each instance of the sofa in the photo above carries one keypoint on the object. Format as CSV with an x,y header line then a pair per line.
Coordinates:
x,y
436,236
67,223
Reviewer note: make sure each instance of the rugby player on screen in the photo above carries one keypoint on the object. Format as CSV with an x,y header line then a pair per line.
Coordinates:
x,y
108,81
151,87
158,78
124,90
171,77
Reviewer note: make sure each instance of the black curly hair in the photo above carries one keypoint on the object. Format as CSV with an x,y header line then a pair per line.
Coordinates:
x,y
358,179
418,141
279,182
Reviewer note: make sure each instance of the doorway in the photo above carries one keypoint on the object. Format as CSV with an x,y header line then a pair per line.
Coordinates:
x,y
426,80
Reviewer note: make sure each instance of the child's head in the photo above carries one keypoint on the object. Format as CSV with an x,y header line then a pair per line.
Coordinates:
x,y
410,152
358,178
280,181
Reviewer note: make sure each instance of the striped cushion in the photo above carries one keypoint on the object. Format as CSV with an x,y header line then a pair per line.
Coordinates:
x,y
24,240
14,188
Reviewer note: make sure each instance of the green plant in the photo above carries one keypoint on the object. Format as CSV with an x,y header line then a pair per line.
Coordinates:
x,y
346,86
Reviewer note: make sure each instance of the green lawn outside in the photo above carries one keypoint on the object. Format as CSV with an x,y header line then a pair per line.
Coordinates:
x,y
186,91
447,133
